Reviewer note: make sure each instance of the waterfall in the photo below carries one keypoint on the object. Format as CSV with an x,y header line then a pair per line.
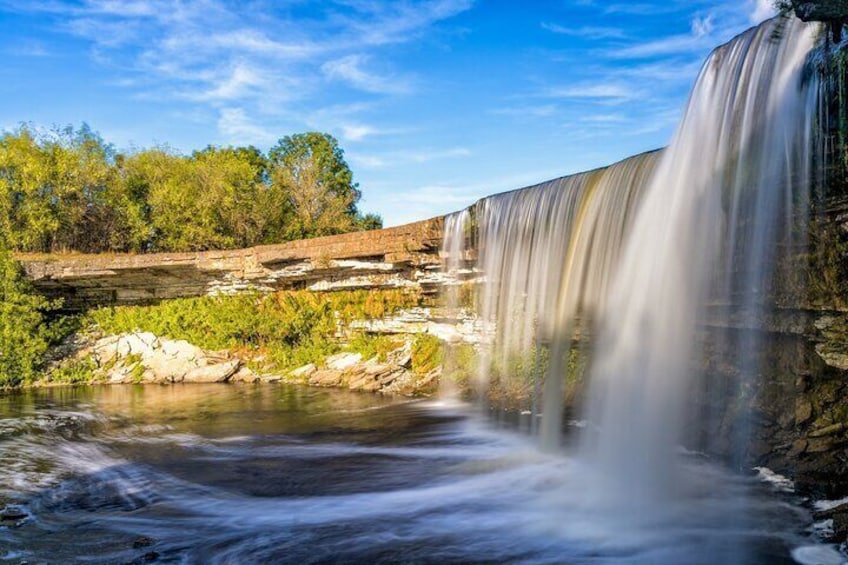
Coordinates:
x,y
633,254
725,189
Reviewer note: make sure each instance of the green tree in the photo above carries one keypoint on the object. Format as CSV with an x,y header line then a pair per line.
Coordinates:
x,y
371,221
309,169
25,335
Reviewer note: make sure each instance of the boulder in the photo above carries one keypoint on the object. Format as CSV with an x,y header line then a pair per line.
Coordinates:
x,y
839,515
343,361
303,373
326,377
217,373
244,375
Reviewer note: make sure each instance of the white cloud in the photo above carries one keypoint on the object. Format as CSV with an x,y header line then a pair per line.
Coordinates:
x,y
350,69
239,129
234,84
587,32
605,119
357,132
761,10
527,111
253,55
397,158
611,92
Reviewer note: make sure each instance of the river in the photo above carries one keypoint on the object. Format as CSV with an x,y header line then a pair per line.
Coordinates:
x,y
285,474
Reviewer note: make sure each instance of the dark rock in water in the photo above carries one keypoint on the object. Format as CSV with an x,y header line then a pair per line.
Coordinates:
x,y
142,541
839,515
151,556
11,516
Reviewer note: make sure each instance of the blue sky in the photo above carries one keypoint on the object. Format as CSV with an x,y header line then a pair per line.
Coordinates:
x,y
435,102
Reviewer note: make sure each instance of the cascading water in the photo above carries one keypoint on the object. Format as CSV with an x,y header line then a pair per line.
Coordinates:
x,y
548,253
636,251
725,188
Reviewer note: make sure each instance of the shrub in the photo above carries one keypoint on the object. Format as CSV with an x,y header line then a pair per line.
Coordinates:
x,y
25,332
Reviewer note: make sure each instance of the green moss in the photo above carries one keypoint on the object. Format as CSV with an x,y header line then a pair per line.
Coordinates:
x,y
427,353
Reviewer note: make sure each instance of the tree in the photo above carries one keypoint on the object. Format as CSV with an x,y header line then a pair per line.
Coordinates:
x,y
25,335
310,170
365,222
68,190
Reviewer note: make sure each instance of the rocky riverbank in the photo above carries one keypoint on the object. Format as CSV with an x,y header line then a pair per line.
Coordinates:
x,y
144,358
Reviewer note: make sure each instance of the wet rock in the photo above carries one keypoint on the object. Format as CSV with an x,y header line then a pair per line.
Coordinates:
x,y
326,377
142,541
218,373
303,373
245,375
832,355
824,444
803,411
270,378
798,447
839,515
828,431
12,516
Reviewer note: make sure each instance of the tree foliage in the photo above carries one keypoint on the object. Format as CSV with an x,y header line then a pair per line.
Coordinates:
x,y
25,334
310,169
69,190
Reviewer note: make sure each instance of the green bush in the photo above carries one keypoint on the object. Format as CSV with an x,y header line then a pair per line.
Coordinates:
x,y
427,353
25,331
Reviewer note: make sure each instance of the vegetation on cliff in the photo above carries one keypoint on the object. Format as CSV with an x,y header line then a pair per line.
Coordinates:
x,y
69,190
26,329
281,331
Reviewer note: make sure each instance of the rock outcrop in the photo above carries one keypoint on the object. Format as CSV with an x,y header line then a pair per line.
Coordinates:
x,y
142,357
389,258
393,375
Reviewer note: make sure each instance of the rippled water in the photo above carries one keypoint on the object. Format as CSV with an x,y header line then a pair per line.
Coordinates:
x,y
229,474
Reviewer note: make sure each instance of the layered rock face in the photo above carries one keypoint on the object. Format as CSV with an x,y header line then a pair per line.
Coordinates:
x,y
395,257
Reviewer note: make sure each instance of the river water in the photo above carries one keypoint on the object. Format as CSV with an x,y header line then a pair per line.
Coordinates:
x,y
284,474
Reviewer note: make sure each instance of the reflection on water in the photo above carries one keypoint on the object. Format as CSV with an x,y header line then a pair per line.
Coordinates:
x,y
228,474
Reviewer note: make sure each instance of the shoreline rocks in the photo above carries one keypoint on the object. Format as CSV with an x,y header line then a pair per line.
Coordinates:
x,y
144,358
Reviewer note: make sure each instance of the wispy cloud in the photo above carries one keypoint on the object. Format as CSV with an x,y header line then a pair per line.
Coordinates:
x,y
397,158
29,49
527,111
351,69
235,125
610,92
699,39
256,56
587,32
642,9
761,10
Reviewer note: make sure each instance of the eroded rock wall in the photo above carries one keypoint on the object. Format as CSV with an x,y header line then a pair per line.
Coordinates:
x,y
389,258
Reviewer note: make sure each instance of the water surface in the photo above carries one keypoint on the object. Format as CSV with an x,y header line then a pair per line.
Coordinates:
x,y
244,474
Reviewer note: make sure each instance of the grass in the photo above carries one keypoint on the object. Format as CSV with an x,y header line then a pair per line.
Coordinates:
x,y
286,329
